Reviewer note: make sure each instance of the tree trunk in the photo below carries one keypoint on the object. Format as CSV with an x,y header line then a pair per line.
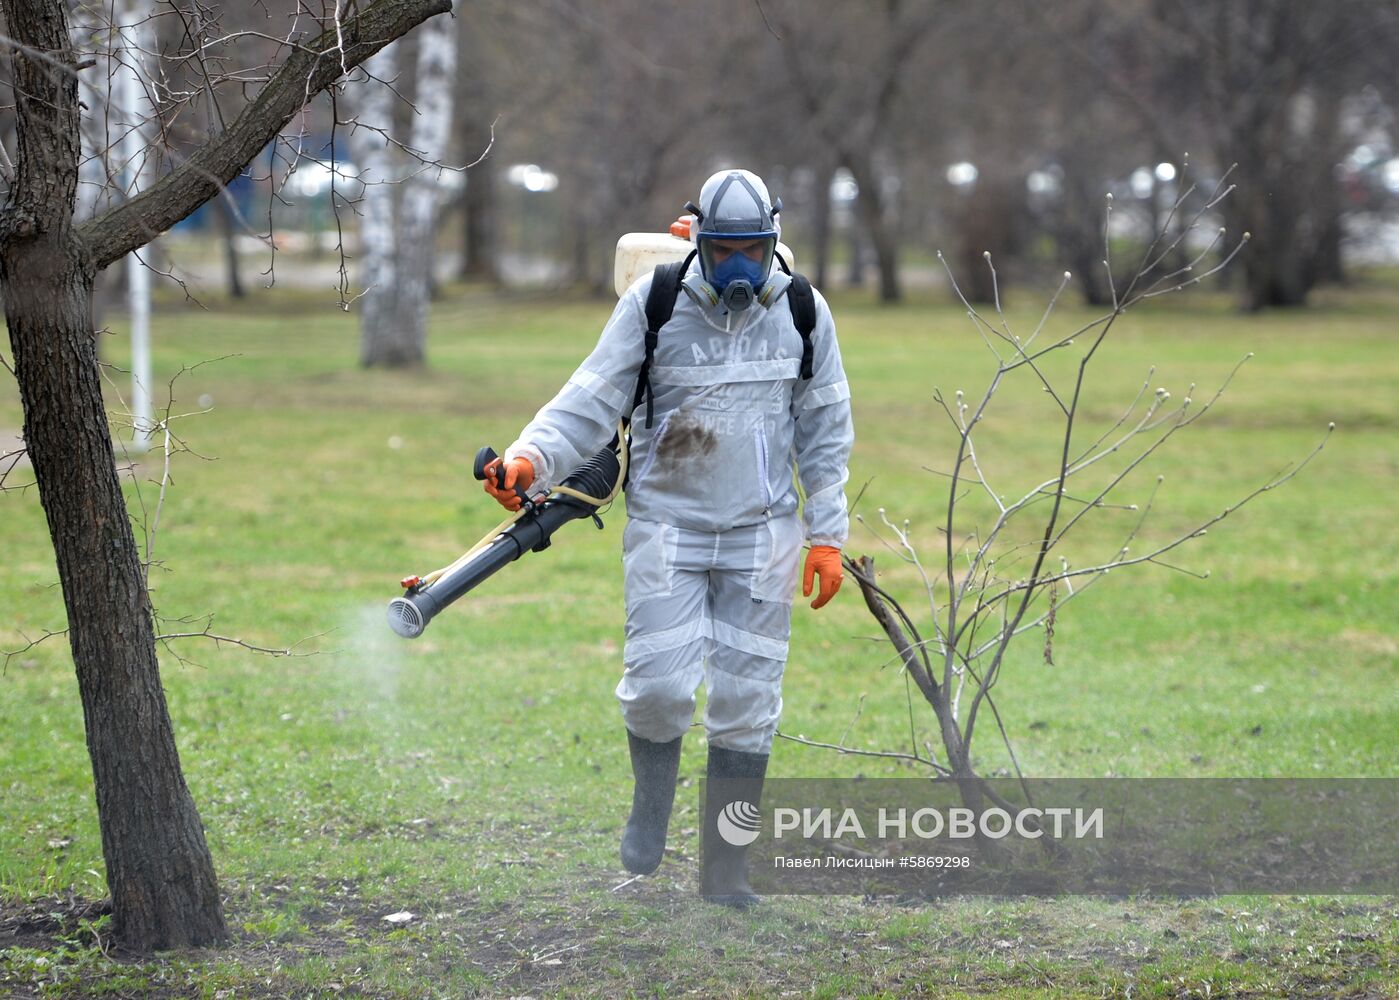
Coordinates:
x,y
1272,262
1325,201
417,229
161,876
478,261
94,166
821,230
987,222
230,248
475,134
164,893
380,342
855,267
886,251
955,748
883,231
1077,228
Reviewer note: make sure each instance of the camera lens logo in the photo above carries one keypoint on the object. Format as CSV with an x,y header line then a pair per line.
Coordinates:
x,y
738,823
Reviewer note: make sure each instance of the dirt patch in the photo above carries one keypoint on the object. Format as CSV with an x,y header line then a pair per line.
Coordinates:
x,y
604,934
46,924
1369,642
686,438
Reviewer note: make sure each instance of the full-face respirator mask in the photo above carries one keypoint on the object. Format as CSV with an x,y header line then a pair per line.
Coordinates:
x,y
735,233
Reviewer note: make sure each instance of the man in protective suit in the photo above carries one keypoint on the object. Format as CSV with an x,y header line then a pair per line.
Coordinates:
x,y
713,538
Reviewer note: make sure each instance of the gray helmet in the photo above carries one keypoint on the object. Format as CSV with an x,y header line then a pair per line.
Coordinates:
x,y
735,205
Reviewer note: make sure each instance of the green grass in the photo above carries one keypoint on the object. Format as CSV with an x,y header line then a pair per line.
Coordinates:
x,y
478,776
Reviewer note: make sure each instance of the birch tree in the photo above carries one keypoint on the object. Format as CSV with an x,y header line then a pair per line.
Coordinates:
x,y
398,235
422,200
372,151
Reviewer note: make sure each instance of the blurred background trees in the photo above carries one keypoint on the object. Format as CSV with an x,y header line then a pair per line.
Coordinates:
x,y
892,129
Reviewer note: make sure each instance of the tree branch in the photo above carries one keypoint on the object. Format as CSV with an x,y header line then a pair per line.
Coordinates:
x,y
842,748
306,71
7,655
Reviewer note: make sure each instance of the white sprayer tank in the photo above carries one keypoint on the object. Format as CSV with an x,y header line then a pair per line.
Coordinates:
x,y
639,253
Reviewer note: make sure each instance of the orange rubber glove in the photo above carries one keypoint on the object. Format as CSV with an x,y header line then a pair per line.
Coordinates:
x,y
822,560
518,472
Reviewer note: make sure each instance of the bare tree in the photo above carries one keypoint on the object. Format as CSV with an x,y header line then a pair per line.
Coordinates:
x,y
164,891
618,103
1004,568
372,148
402,194
1259,84
852,101
422,194
474,127
1274,73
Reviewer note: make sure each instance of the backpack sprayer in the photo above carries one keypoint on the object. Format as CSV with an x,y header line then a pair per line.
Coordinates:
x,y
592,486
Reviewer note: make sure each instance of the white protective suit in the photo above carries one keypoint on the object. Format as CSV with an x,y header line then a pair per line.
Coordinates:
x,y
712,543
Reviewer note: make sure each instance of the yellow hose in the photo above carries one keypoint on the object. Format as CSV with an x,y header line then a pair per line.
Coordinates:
x,y
470,553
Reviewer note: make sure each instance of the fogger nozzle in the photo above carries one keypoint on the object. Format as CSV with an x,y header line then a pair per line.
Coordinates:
x,y
405,618
409,614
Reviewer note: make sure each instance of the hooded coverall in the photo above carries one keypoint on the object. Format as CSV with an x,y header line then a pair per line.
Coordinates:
x,y
712,542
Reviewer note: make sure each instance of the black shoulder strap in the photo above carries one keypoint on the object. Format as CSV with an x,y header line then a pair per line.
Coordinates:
x,y
660,304
803,302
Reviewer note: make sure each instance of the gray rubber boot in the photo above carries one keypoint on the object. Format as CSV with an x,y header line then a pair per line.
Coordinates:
x,y
654,767
733,776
